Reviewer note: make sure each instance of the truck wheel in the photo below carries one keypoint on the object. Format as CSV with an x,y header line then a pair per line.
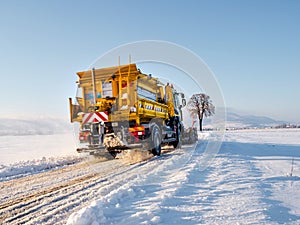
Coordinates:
x,y
156,141
178,142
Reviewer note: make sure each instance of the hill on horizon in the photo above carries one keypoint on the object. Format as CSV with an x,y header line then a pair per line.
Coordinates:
x,y
235,120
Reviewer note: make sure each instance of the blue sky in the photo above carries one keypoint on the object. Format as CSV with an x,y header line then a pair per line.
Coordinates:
x,y
251,46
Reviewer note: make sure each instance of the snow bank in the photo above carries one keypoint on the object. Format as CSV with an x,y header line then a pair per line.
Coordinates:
x,y
24,168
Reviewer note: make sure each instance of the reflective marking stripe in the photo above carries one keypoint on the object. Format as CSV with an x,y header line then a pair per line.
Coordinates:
x,y
95,117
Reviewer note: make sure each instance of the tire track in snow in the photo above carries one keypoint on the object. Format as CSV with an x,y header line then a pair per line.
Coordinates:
x,y
29,204
54,204
114,181
14,210
38,195
31,183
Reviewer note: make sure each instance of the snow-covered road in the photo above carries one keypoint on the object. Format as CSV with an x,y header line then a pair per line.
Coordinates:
x,y
47,198
254,179
50,197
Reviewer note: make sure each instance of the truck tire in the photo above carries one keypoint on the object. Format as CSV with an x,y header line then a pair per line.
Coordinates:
x,y
178,142
156,141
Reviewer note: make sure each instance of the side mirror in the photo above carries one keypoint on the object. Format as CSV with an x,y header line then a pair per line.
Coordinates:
x,y
183,102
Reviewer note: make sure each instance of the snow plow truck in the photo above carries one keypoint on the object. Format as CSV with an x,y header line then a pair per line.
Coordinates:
x,y
120,108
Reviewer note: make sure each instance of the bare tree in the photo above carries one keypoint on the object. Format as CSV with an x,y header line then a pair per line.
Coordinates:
x,y
201,105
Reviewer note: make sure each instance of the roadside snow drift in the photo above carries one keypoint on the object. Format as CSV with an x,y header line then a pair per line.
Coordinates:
x,y
22,169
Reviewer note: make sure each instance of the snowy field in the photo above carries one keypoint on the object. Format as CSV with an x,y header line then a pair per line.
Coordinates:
x,y
29,154
254,179
14,149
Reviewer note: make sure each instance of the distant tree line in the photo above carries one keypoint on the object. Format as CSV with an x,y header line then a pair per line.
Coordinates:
x,y
287,126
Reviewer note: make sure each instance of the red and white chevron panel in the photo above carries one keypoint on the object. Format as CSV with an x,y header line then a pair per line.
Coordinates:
x,y
95,117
